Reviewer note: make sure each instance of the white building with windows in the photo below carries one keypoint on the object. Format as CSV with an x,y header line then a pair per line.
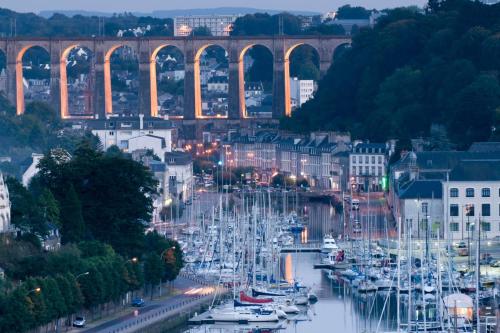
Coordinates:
x,y
219,25
419,204
179,179
367,165
471,195
4,206
132,133
301,91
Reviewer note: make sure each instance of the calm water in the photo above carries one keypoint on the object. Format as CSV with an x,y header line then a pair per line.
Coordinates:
x,y
338,309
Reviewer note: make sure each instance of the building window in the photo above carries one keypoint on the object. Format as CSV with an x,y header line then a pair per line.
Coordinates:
x,y
373,159
425,207
485,210
485,192
111,133
454,192
366,159
453,210
380,159
485,226
469,192
469,226
469,210
380,171
454,226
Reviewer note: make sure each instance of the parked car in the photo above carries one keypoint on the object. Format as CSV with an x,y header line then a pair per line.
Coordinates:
x,y
138,302
462,249
79,321
355,204
495,263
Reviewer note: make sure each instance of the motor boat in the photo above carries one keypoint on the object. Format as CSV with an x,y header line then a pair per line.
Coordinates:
x,y
329,244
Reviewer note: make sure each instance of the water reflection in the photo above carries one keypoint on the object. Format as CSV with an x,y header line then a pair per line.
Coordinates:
x,y
339,309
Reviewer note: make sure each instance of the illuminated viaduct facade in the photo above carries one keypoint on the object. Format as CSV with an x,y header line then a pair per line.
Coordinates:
x,y
146,50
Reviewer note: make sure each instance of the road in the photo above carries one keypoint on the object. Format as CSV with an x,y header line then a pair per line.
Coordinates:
x,y
188,289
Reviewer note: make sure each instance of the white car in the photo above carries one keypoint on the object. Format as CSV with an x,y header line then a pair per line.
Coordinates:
x,y
79,322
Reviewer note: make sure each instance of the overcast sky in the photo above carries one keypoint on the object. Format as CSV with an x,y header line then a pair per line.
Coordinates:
x,y
150,5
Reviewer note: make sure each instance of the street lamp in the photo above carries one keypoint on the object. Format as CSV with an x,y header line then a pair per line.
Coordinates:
x,y
133,260
82,274
37,290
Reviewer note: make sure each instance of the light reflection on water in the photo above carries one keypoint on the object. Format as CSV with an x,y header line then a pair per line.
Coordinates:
x,y
338,308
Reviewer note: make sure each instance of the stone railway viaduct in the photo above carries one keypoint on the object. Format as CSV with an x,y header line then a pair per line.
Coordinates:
x,y
146,50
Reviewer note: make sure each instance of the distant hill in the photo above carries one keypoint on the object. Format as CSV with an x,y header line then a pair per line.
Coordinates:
x,y
179,12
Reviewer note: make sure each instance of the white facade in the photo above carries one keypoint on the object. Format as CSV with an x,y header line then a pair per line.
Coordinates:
x,y
218,86
367,165
119,132
301,91
32,169
421,214
468,202
219,25
4,206
155,143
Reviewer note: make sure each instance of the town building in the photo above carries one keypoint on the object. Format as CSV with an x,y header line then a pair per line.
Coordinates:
x,y
4,206
301,91
320,158
32,169
219,25
419,205
179,181
131,133
218,84
471,193
367,166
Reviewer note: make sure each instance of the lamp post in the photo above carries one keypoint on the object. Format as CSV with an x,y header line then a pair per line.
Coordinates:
x,y
86,273
172,248
37,290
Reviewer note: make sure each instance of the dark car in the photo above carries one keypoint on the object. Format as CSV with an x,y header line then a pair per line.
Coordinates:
x,y
138,302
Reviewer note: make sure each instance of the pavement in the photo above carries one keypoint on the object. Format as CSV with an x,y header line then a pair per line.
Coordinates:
x,y
186,292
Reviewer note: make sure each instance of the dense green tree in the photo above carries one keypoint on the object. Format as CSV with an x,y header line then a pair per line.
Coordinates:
x,y
474,110
153,271
347,12
201,31
73,225
411,71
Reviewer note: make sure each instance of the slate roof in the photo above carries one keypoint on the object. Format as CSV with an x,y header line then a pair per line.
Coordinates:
x,y
485,147
177,158
476,170
423,189
125,123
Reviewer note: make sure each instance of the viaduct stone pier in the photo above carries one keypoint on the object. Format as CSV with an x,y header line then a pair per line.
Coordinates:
x,y
146,50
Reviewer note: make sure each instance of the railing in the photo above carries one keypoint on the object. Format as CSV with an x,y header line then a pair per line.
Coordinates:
x,y
163,313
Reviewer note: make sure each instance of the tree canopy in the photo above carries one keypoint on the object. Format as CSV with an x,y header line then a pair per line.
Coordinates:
x,y
411,71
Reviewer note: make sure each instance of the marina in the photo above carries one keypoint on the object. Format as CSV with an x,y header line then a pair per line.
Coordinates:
x,y
285,268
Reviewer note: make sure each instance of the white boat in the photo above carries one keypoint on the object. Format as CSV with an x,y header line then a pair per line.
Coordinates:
x,y
329,244
244,315
366,287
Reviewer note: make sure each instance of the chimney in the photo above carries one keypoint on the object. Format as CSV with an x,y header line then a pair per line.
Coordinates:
x,y
141,121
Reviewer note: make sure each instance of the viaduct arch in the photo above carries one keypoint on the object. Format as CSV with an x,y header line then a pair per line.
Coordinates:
x,y
146,50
